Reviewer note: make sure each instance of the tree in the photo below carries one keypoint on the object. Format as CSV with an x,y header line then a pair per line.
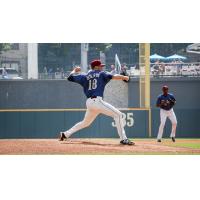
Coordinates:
x,y
104,47
5,47
56,49
167,49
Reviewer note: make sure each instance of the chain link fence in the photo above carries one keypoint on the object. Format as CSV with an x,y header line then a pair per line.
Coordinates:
x,y
158,69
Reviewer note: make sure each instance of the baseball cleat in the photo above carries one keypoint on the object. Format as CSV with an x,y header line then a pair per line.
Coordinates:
x,y
173,139
158,140
127,142
62,136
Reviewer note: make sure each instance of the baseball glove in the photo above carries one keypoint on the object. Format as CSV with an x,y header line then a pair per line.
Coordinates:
x,y
165,103
172,102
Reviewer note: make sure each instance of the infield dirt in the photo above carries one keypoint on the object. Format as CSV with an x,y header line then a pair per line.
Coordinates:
x,y
93,147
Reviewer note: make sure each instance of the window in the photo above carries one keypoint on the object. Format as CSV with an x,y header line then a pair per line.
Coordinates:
x,y
10,64
15,46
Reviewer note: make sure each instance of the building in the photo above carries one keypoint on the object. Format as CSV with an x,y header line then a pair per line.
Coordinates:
x,y
16,58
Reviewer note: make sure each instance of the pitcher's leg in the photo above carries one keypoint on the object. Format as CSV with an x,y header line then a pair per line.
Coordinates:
x,y
90,116
173,119
163,118
107,109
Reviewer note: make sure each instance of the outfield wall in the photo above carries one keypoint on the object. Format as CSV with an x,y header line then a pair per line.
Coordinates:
x,y
40,109
46,124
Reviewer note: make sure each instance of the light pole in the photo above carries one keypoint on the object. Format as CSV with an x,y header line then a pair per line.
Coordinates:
x,y
32,61
84,56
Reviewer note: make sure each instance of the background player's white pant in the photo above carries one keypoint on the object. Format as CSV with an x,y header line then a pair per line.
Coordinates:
x,y
163,116
95,107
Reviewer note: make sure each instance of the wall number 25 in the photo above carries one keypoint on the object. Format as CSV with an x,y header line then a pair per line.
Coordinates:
x,y
127,118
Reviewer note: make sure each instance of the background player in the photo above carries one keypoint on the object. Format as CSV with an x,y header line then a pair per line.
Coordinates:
x,y
93,84
166,101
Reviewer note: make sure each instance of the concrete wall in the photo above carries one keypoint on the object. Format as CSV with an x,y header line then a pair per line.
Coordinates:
x,y
116,93
184,89
55,94
40,94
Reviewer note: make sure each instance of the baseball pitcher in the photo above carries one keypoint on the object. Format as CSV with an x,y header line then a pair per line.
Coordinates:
x,y
93,84
166,101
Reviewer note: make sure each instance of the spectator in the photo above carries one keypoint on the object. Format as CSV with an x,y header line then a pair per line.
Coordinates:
x,y
123,70
4,73
57,72
50,73
20,72
62,73
45,72
156,68
50,70
162,68
113,70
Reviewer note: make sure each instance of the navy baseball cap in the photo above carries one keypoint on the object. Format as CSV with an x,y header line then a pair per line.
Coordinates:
x,y
165,87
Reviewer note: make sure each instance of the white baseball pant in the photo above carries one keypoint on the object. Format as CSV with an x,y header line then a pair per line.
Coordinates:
x,y
163,116
95,107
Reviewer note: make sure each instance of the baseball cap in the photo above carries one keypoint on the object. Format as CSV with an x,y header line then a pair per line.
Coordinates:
x,y
96,63
165,87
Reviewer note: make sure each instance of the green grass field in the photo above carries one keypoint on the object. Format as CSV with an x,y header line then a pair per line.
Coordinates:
x,y
193,145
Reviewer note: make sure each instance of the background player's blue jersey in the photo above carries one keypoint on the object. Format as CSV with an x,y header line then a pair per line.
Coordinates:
x,y
93,82
165,98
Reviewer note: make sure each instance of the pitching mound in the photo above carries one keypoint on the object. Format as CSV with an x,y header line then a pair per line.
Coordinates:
x,y
97,146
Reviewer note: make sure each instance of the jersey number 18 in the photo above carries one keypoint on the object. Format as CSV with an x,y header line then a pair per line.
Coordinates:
x,y
92,84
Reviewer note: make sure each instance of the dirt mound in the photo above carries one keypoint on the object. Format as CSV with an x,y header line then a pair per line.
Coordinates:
x,y
91,146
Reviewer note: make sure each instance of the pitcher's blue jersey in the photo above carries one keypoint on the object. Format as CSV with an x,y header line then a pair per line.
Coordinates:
x,y
93,82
